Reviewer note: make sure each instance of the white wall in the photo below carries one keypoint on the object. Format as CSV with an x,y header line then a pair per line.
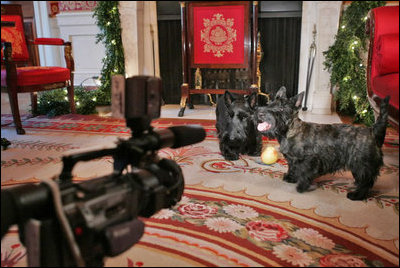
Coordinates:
x,y
80,29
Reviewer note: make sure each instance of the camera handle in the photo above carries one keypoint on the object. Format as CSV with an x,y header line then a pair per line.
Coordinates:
x,y
70,161
124,149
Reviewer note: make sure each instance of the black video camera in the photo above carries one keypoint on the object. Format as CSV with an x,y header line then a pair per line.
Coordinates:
x,y
68,224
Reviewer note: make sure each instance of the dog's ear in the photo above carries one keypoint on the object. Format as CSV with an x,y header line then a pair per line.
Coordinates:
x,y
252,100
228,100
228,97
297,100
281,94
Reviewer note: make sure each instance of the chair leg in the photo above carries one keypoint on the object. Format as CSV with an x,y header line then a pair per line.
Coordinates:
x,y
71,98
13,97
34,103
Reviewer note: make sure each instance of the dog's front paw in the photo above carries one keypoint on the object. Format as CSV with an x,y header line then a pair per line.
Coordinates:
x,y
289,178
304,187
356,195
231,157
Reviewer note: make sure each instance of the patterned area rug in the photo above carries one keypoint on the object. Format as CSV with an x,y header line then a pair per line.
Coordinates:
x,y
233,213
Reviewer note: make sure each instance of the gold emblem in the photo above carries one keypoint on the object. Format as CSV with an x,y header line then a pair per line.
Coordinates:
x,y
218,35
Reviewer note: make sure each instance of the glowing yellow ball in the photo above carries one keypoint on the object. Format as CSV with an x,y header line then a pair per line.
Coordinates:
x,y
269,156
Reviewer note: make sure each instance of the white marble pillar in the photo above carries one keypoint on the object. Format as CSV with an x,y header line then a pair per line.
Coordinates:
x,y
140,37
325,15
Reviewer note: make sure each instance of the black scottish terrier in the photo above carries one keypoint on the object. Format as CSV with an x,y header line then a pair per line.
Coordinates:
x,y
236,126
313,150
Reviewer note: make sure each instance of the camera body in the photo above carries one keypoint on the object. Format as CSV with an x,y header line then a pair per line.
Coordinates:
x,y
101,214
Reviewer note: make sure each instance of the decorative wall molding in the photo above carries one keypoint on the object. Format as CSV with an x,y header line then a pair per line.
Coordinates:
x,y
80,29
72,6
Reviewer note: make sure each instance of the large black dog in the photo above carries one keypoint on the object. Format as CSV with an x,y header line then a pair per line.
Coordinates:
x,y
236,126
313,150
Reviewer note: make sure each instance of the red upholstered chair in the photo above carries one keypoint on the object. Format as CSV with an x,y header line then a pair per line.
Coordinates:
x,y
383,60
20,74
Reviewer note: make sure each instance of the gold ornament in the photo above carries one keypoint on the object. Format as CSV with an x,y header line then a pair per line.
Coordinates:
x,y
198,79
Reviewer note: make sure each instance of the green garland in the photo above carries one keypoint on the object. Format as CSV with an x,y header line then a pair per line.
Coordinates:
x,y
344,61
55,102
107,19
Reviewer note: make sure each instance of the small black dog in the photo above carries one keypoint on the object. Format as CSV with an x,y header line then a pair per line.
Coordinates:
x,y
236,126
313,150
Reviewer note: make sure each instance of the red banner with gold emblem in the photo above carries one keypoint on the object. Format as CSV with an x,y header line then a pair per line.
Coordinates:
x,y
219,35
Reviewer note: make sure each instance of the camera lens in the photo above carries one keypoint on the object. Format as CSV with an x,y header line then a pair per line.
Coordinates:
x,y
162,186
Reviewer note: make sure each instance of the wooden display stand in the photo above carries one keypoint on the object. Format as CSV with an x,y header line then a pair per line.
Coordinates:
x,y
218,35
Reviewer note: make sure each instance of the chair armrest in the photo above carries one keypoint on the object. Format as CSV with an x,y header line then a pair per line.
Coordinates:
x,y
48,41
69,60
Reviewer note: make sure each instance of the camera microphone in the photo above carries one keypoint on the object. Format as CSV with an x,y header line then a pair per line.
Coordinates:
x,y
180,136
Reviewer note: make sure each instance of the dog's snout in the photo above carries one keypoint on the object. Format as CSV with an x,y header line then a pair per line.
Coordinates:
x,y
261,117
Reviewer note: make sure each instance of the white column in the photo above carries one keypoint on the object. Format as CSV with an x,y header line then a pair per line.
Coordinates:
x,y
129,32
151,38
325,15
139,37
